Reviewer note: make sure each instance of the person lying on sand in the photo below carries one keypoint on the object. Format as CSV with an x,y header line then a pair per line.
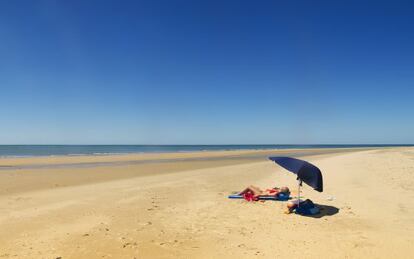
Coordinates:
x,y
252,193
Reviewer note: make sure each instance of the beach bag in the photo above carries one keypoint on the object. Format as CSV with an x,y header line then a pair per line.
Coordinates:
x,y
307,207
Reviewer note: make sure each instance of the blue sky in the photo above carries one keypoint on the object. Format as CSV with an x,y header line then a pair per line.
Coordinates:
x,y
206,72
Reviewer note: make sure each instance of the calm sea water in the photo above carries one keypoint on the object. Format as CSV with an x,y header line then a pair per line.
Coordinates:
x,y
59,150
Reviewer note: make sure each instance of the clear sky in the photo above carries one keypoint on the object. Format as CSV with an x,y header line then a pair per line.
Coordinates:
x,y
206,72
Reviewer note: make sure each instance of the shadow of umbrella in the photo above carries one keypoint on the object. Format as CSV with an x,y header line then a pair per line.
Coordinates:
x,y
325,210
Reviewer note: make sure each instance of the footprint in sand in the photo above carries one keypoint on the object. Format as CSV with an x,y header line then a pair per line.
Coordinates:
x,y
128,244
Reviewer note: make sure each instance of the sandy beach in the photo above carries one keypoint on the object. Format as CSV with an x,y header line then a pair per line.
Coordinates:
x,y
175,206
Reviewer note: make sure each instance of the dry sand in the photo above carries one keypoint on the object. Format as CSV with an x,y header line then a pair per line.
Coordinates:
x,y
179,209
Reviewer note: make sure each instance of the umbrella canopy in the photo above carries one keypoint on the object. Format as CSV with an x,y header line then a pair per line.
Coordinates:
x,y
305,171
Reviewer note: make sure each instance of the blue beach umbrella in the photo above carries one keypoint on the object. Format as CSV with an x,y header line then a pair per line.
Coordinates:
x,y
305,171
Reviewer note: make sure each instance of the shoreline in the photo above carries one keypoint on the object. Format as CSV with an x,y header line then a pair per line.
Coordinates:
x,y
33,151
31,162
50,173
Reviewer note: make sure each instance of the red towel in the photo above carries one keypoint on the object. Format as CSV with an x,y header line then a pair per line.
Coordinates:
x,y
249,196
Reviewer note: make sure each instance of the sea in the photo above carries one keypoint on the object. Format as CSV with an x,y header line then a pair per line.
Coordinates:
x,y
76,150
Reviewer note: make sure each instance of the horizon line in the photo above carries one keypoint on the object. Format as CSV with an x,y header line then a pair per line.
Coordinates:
x,y
313,144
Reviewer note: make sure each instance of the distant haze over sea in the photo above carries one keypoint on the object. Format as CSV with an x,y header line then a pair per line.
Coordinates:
x,y
62,150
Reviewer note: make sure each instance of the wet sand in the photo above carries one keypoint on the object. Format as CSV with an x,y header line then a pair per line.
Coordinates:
x,y
36,173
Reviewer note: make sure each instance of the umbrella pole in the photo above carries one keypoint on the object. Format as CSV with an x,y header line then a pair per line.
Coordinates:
x,y
299,182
